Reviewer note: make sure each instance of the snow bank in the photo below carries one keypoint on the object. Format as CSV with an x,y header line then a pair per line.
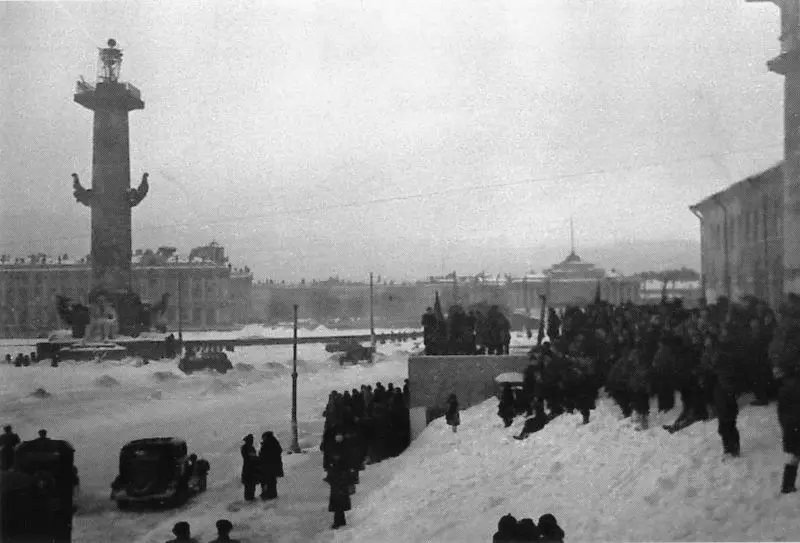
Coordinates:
x,y
603,482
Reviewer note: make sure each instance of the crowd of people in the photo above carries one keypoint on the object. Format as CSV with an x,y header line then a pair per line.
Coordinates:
x,y
22,359
709,355
465,333
361,427
510,529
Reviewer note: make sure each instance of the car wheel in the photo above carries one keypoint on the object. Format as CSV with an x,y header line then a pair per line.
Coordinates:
x,y
123,505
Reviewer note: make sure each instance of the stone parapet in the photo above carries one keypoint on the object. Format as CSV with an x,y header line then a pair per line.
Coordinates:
x,y
431,380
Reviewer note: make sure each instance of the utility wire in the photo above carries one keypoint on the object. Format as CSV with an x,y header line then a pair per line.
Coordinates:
x,y
406,197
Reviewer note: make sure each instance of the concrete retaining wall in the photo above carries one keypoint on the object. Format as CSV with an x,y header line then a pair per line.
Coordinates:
x,y
431,380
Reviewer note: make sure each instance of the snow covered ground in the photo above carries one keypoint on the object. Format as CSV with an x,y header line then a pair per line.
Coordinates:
x,y
98,407
604,481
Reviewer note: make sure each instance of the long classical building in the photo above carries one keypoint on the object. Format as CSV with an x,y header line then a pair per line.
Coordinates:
x,y
741,231
334,303
214,295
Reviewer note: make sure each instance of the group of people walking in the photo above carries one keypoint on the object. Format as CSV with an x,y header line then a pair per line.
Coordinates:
x,y
362,426
465,333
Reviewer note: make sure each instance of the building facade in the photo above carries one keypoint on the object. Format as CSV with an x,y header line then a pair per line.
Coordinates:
x,y
741,237
213,294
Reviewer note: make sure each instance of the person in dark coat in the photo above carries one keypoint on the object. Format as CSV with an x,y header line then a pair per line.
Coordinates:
x,y
224,529
339,479
550,530
429,324
270,464
506,408
785,355
527,530
452,417
250,470
183,533
724,363
534,424
8,441
506,529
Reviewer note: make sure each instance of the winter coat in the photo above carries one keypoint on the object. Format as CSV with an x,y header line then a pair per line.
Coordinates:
x,y
339,478
640,372
270,459
452,417
250,471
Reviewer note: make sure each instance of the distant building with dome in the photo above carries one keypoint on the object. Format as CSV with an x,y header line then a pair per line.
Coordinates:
x,y
572,281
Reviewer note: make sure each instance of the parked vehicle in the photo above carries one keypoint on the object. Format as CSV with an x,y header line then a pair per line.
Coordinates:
x,y
38,494
157,471
214,360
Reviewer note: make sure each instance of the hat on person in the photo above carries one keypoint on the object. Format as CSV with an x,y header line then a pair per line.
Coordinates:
x,y
224,525
248,437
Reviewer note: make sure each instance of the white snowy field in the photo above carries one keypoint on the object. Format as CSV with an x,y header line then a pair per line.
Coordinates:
x,y
98,407
603,482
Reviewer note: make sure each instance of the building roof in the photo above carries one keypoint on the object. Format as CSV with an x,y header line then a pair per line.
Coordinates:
x,y
770,175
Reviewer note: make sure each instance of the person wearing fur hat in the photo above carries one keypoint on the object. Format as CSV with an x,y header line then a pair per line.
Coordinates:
x,y
249,468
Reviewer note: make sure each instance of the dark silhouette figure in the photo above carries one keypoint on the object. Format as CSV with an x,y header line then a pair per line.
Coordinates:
x,y
550,530
339,478
183,533
250,475
506,529
452,417
271,465
8,441
224,529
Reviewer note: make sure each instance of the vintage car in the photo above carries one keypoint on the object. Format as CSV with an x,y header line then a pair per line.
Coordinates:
x,y
352,351
157,471
39,492
213,360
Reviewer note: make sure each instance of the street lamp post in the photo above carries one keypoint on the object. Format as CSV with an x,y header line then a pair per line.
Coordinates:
x,y
295,447
371,316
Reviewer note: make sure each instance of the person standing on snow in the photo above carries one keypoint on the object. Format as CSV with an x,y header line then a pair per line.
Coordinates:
x,y
452,417
249,468
785,356
339,478
271,465
8,441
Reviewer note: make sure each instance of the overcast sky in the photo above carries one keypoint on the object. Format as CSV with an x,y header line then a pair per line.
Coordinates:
x,y
315,138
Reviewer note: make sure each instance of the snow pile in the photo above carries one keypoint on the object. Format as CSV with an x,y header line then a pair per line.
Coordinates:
x,y
241,366
603,482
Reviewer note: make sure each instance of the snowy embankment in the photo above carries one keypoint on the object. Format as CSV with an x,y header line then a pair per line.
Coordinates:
x,y
603,482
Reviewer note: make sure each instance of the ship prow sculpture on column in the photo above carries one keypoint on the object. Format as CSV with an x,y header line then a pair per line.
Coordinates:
x,y
114,310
